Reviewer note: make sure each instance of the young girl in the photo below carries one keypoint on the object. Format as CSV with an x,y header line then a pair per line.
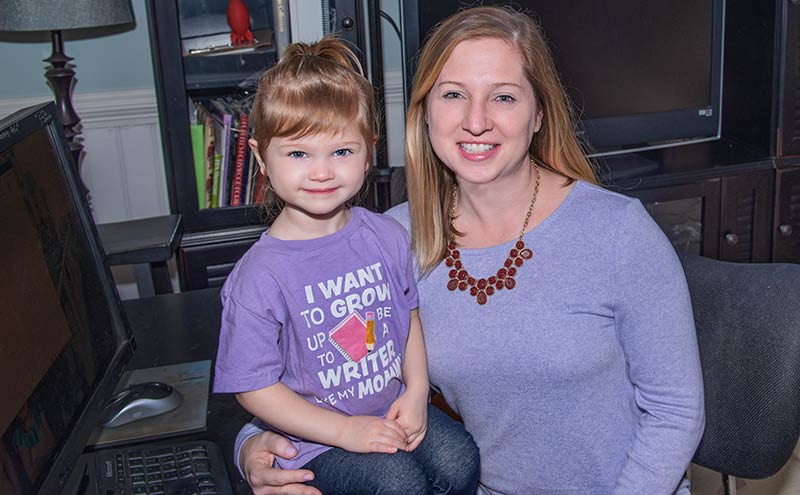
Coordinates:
x,y
320,336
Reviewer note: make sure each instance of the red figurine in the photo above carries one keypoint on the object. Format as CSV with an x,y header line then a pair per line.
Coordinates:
x,y
239,21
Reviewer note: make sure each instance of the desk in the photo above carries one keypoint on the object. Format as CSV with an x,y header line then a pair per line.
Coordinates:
x,y
176,328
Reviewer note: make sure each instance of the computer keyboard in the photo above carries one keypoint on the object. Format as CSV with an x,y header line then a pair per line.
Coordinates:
x,y
188,468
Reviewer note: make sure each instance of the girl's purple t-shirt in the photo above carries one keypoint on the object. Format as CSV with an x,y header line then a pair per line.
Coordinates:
x,y
295,312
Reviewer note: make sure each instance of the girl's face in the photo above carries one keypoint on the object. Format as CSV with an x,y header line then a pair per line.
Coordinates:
x,y
316,174
482,112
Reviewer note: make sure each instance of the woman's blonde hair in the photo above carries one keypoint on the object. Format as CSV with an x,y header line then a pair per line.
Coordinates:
x,y
555,146
316,88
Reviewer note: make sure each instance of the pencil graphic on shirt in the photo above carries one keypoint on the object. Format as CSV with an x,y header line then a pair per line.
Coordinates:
x,y
370,337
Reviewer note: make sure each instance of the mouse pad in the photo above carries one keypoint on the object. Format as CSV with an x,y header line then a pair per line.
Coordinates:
x,y
190,379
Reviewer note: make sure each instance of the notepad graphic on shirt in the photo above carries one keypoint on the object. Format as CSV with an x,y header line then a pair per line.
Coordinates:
x,y
348,337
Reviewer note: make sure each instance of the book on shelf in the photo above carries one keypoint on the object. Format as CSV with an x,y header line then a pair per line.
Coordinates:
x,y
209,146
222,129
224,125
215,182
246,173
198,156
231,168
219,145
241,151
224,166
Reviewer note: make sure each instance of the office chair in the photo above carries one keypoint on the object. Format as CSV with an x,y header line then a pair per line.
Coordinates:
x,y
748,329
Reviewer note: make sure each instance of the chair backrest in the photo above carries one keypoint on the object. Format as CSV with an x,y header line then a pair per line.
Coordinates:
x,y
748,329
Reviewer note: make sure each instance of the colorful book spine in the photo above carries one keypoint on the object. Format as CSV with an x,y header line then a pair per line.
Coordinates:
x,y
231,168
209,145
241,151
246,175
227,125
215,182
196,131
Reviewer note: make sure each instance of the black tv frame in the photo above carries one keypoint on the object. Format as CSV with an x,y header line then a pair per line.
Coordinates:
x,y
620,134
61,469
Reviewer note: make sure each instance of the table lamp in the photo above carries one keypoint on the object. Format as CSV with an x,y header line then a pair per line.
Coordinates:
x,y
83,19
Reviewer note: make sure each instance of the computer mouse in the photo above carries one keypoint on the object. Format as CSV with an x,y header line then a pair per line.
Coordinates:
x,y
139,401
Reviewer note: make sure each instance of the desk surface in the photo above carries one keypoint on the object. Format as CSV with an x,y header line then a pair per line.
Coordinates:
x,y
141,241
176,328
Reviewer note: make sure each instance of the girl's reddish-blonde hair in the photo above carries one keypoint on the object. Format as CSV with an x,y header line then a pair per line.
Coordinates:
x,y
316,88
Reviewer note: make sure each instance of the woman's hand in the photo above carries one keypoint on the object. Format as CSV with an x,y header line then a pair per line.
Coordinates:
x,y
410,411
363,434
256,458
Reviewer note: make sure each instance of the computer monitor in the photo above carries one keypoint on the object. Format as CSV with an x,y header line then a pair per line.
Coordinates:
x,y
65,341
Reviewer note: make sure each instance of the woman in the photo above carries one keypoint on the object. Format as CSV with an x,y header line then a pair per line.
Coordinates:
x,y
556,315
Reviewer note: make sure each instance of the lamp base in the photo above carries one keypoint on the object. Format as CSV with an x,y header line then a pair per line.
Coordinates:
x,y
62,80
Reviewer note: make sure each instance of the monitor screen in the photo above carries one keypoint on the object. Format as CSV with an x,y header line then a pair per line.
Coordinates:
x,y
639,73
64,339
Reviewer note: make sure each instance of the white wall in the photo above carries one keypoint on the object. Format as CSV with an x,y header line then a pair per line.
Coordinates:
x,y
111,63
115,97
123,165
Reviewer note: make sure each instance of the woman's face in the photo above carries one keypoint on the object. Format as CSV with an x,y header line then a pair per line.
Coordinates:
x,y
482,112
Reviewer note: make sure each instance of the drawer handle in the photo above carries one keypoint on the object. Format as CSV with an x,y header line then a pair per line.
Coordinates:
x,y
731,239
786,230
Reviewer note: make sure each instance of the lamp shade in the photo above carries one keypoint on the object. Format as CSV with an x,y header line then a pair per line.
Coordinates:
x,y
60,15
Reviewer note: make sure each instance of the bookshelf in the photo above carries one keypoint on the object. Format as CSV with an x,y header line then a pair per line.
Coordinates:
x,y
203,89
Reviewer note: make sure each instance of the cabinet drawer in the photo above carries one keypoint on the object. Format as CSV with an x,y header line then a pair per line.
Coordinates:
x,y
209,265
786,229
746,217
688,214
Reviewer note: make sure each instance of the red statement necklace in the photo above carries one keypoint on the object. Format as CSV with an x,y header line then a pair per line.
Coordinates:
x,y
482,288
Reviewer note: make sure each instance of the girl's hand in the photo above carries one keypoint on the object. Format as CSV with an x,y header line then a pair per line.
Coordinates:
x,y
411,413
364,434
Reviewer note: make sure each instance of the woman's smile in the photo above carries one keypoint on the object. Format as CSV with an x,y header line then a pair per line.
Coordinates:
x,y
478,151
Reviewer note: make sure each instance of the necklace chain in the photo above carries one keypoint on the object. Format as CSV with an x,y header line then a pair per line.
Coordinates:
x,y
482,288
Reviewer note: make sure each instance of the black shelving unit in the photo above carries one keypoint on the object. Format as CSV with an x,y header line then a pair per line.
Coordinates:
x,y
214,238
181,77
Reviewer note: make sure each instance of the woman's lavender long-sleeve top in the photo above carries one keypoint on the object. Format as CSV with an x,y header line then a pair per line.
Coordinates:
x,y
585,378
